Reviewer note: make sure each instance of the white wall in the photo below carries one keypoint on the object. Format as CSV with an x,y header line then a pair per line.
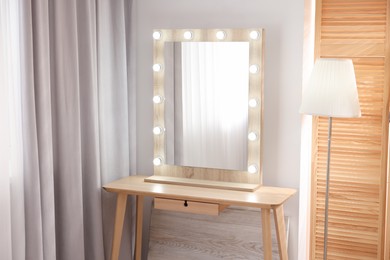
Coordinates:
x,y
283,21
306,136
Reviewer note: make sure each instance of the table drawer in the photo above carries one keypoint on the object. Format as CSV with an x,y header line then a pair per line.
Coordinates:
x,y
187,206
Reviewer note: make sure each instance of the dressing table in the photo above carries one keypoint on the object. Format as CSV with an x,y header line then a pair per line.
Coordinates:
x,y
207,146
199,200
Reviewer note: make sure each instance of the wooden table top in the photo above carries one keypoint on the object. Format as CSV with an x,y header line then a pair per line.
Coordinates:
x,y
263,197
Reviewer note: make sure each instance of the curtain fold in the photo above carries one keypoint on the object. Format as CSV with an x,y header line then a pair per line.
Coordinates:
x,y
6,76
72,134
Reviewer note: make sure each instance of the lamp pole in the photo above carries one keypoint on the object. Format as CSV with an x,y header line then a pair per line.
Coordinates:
x,y
327,190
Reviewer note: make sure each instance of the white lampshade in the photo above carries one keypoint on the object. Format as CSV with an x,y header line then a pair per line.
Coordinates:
x,y
331,90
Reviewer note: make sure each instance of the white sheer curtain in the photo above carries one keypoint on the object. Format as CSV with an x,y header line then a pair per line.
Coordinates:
x,y
66,127
214,94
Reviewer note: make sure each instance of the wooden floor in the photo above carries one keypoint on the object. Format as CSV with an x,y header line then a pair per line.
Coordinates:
x,y
235,234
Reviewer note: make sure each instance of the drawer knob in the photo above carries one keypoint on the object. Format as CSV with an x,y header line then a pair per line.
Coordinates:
x,y
185,203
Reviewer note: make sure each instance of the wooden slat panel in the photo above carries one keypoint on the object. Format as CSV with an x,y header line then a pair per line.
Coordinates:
x,y
352,50
355,29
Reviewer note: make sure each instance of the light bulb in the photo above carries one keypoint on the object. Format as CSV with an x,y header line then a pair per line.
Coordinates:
x,y
156,67
252,136
253,103
158,99
253,69
157,161
187,35
158,130
252,168
157,35
254,35
220,35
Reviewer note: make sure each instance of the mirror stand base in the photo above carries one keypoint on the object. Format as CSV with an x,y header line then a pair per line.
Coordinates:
x,y
203,183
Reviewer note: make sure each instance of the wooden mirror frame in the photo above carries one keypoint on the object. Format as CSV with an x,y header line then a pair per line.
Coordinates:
x,y
195,176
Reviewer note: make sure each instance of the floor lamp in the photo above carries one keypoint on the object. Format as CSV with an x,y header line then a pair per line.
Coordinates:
x,y
331,92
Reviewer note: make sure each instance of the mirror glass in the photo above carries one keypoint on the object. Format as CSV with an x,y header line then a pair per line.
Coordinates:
x,y
206,87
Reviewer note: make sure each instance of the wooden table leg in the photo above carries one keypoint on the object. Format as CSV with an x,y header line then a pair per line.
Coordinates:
x,y
281,232
118,224
266,227
138,242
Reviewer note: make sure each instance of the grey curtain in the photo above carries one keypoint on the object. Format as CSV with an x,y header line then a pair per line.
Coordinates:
x,y
71,127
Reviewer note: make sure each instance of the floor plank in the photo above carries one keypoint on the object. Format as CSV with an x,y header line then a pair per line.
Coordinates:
x,y
235,234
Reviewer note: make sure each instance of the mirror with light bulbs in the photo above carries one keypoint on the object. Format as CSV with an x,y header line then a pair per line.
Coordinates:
x,y
208,107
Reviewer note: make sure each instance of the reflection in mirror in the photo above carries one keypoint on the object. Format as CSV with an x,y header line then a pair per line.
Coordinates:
x,y
206,112
208,107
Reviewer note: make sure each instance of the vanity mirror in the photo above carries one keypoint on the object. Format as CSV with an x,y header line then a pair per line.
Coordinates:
x,y
208,102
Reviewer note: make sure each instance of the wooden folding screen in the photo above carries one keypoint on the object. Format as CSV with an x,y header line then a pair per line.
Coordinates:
x,y
358,30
